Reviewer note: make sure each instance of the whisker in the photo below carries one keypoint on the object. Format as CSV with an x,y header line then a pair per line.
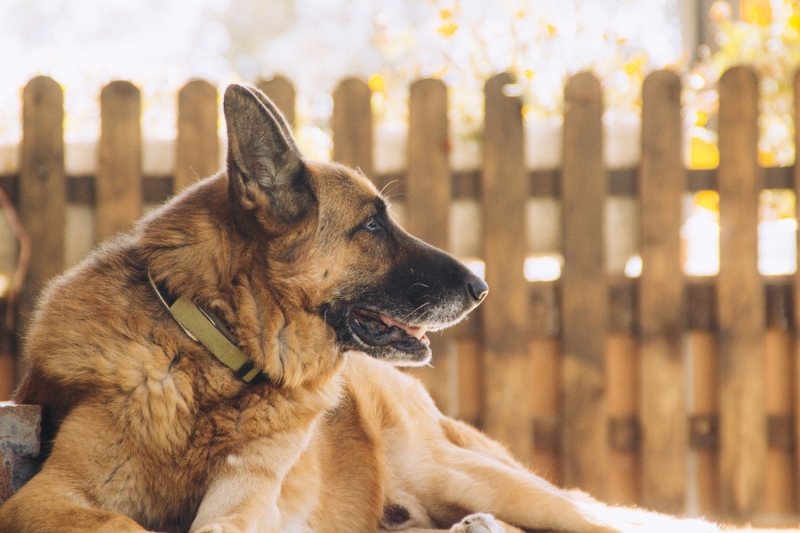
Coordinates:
x,y
414,311
392,182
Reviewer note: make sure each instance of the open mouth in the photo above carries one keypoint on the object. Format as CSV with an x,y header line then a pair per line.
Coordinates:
x,y
378,330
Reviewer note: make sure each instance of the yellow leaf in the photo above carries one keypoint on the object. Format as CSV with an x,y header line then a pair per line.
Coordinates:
x,y
702,118
704,154
707,200
756,12
376,83
448,29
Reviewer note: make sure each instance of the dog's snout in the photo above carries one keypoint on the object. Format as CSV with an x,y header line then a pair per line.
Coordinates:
x,y
477,288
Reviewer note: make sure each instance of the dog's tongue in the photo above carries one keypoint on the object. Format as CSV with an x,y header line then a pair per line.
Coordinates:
x,y
411,331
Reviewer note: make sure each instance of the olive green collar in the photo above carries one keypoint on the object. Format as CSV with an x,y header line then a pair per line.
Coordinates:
x,y
200,327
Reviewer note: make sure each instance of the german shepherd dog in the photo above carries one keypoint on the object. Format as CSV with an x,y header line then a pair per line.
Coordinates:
x,y
202,371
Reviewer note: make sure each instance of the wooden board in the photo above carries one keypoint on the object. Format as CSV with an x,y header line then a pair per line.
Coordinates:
x,y
662,181
584,292
118,187
505,324
796,285
197,144
42,204
352,125
281,91
740,295
779,369
622,396
545,406
705,411
428,193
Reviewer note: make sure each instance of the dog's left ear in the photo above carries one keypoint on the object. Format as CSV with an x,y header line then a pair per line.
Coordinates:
x,y
263,158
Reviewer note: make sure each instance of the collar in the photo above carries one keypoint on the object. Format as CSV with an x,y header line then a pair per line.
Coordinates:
x,y
201,328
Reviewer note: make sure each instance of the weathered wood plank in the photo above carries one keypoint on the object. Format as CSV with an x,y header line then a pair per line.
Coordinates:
x,y
796,283
281,91
740,293
779,369
662,181
118,188
544,350
584,293
197,144
505,189
704,436
622,396
42,203
545,407
352,125
428,193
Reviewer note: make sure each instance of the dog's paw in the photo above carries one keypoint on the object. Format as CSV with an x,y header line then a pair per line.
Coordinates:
x,y
478,523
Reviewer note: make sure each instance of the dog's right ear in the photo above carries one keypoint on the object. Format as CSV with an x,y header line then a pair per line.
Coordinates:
x,y
263,158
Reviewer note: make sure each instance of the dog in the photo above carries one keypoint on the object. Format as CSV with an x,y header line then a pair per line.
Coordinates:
x,y
226,368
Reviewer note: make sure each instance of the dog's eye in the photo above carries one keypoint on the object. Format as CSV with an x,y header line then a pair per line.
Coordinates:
x,y
372,224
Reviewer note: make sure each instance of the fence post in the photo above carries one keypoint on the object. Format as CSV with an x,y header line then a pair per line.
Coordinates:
x,y
119,184
779,495
662,182
740,294
796,291
505,311
701,323
42,201
281,91
622,395
428,215
352,126
584,290
197,143
545,354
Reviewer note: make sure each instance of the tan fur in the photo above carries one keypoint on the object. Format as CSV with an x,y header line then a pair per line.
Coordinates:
x,y
387,444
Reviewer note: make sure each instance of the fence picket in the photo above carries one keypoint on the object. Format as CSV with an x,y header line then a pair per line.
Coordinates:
x,y
662,181
42,201
584,291
118,187
352,126
428,196
779,495
197,144
282,93
796,285
505,189
740,294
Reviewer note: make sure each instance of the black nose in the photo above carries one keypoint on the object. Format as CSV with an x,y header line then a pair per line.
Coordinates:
x,y
477,288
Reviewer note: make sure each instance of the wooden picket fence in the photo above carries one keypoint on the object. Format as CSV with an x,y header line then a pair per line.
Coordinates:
x,y
678,394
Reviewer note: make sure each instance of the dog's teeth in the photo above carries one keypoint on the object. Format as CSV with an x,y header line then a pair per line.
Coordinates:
x,y
420,332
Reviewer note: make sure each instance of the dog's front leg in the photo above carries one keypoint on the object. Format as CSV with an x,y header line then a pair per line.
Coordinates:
x,y
240,503
243,494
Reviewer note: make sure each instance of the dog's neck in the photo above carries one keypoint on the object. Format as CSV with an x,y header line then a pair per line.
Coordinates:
x,y
293,346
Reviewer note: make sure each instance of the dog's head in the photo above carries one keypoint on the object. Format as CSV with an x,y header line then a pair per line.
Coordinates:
x,y
331,244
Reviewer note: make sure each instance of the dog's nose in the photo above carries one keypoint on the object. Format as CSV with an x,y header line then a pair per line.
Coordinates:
x,y
477,288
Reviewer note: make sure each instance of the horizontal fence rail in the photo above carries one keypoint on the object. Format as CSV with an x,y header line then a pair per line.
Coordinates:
x,y
679,394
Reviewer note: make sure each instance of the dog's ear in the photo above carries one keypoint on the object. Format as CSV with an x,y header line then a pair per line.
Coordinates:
x,y
263,158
